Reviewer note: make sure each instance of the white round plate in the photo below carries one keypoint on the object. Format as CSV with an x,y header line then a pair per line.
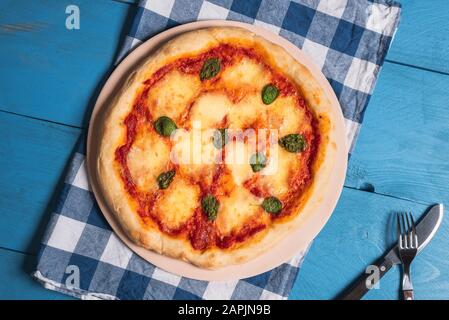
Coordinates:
x,y
312,221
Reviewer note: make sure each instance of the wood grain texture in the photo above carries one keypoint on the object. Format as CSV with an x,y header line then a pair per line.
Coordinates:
x,y
403,146
33,155
48,71
360,230
353,245
127,1
51,73
65,69
15,279
422,38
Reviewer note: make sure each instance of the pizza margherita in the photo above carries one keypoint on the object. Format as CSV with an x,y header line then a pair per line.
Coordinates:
x,y
213,146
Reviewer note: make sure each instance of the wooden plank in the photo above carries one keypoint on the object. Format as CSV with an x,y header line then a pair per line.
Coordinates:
x,y
50,72
24,209
33,155
64,69
359,232
16,282
422,38
127,1
403,146
366,168
417,114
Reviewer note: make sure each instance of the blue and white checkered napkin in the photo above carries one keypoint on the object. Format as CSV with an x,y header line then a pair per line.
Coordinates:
x,y
348,39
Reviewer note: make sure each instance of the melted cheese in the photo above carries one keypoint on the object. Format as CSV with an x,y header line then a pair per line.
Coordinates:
x,y
247,112
237,160
171,96
147,158
284,115
178,203
275,177
195,153
246,73
236,209
209,110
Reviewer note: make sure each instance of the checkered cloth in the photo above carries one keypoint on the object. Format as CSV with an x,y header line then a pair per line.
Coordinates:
x,y
347,39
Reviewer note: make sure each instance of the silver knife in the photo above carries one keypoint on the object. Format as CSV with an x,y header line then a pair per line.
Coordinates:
x,y
425,230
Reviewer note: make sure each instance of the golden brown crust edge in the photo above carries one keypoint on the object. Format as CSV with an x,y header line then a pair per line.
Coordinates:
x,y
113,131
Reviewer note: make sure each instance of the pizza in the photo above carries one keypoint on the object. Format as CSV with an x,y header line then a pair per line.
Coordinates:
x,y
213,146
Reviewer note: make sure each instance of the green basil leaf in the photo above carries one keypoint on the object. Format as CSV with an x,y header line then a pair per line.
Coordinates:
x,y
269,93
220,138
165,178
210,69
272,205
210,205
294,142
165,126
258,161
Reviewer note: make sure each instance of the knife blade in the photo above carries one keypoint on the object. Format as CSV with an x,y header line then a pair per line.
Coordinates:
x,y
425,229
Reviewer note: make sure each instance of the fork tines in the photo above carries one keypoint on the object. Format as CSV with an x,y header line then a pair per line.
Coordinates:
x,y
406,231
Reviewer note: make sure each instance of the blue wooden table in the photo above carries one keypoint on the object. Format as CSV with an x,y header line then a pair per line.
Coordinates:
x,y
50,77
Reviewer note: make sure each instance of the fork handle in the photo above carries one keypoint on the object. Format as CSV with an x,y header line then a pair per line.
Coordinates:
x,y
408,295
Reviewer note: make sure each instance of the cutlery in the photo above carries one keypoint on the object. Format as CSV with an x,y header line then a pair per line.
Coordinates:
x,y
425,230
408,248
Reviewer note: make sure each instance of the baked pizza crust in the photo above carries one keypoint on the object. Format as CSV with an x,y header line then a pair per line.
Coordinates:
x,y
113,131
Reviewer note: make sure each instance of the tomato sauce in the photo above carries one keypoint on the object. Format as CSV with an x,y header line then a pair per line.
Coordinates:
x,y
201,232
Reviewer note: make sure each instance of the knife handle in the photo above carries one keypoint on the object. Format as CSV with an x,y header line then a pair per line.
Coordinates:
x,y
360,287
408,295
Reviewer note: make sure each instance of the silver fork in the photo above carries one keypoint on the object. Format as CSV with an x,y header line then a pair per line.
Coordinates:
x,y
408,248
